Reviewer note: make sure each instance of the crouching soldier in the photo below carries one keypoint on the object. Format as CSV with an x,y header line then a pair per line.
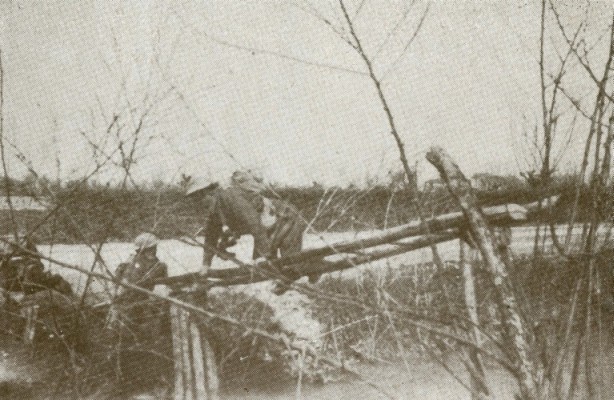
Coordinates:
x,y
141,269
140,325
21,268
275,225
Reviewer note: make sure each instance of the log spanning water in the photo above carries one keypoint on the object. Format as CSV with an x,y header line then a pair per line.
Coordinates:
x,y
319,266
311,261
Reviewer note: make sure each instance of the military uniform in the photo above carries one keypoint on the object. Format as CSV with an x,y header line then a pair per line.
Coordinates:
x,y
235,209
275,225
140,270
286,233
133,308
23,271
140,324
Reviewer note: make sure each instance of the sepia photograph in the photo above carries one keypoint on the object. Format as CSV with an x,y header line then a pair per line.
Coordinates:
x,y
307,199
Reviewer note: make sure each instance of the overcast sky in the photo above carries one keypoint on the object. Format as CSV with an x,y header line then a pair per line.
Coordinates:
x,y
268,85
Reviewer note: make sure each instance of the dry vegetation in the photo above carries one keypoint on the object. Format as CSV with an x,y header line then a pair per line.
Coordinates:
x,y
544,319
392,316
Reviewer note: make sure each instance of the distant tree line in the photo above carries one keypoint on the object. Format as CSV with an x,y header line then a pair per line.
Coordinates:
x,y
93,212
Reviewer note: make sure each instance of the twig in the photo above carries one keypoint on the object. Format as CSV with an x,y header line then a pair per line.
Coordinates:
x,y
584,64
7,179
255,50
409,42
393,31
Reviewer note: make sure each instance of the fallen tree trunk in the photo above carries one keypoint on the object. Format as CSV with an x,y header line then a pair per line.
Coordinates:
x,y
254,273
324,266
498,215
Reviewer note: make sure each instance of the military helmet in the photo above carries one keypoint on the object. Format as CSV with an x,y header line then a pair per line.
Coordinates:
x,y
146,240
198,184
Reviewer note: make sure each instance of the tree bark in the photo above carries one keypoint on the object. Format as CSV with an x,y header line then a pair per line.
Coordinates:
x,y
177,352
324,266
479,391
198,362
515,331
188,377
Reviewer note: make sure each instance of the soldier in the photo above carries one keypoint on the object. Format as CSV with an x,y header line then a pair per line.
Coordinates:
x,y
276,226
21,268
141,269
138,324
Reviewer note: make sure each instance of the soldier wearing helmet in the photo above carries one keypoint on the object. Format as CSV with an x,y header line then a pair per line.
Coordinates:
x,y
143,267
232,207
242,207
133,316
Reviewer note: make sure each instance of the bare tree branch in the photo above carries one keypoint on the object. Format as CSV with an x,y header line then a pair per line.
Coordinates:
x,y
7,179
583,63
254,50
318,16
409,42
362,3
380,93
595,126
393,31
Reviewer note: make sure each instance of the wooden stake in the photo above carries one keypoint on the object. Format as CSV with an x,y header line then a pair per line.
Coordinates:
x,y
213,383
30,314
185,351
194,361
200,383
177,352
